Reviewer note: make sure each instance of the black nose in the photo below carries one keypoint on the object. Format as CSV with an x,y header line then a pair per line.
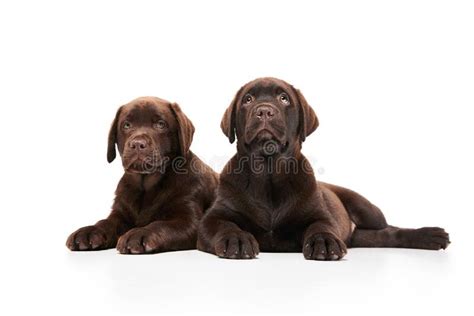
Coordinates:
x,y
265,112
138,143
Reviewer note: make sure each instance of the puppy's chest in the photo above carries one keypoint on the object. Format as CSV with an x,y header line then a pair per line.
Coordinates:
x,y
278,230
149,207
272,210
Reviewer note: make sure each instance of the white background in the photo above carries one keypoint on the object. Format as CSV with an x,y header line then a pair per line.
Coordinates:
x,y
391,81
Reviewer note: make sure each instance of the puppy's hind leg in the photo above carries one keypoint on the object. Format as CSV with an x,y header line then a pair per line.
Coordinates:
x,y
362,213
432,238
372,229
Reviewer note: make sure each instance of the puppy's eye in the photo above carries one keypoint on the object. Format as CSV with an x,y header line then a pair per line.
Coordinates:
x,y
248,99
127,125
284,98
160,125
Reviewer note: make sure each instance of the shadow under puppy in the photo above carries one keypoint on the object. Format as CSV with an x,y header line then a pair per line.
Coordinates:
x,y
268,198
165,188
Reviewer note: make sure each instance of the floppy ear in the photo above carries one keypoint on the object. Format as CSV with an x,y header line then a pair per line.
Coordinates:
x,y
308,121
228,122
111,154
185,128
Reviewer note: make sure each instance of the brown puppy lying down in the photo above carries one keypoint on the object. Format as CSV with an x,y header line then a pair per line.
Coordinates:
x,y
268,198
165,189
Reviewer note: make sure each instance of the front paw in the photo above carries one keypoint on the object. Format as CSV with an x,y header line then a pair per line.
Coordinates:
x,y
139,241
236,245
89,238
324,246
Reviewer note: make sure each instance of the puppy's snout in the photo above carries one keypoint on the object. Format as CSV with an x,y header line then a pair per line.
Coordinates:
x,y
265,112
138,143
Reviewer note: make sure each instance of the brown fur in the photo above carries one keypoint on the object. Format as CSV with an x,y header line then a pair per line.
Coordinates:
x,y
165,188
260,206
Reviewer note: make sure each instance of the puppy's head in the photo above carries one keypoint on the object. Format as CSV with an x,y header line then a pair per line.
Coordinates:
x,y
269,116
149,132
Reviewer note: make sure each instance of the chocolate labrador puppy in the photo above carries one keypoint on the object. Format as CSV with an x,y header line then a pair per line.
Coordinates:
x,y
268,198
165,189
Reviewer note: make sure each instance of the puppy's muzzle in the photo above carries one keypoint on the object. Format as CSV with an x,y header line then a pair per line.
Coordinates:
x,y
139,146
265,112
264,118
139,143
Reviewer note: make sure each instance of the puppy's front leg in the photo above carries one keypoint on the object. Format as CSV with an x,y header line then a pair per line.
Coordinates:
x,y
102,235
174,233
321,242
219,234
